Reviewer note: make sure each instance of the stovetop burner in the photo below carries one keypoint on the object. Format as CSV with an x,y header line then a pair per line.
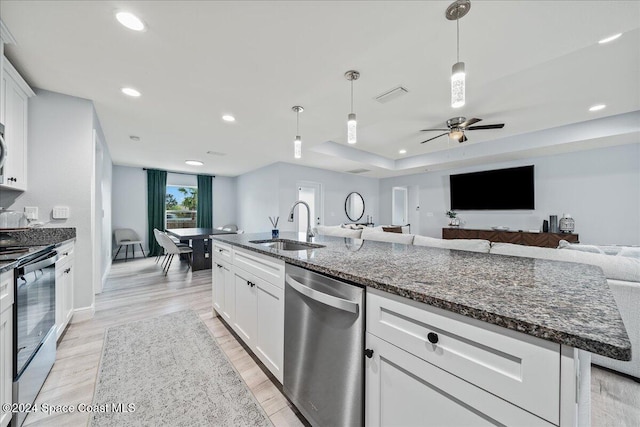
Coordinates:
x,y
7,250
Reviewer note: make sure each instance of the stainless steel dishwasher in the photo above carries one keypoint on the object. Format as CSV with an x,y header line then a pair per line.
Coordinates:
x,y
323,348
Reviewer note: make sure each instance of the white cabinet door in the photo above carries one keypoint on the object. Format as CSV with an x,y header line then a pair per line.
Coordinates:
x,y
64,288
6,290
244,322
270,326
229,306
218,287
6,364
16,96
404,390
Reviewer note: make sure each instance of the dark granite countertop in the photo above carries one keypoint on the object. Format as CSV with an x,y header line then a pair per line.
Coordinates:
x,y
567,303
37,240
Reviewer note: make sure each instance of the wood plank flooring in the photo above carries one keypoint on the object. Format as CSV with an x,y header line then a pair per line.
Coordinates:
x,y
137,290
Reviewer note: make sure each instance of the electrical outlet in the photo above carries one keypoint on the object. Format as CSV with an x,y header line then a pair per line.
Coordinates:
x,y
31,212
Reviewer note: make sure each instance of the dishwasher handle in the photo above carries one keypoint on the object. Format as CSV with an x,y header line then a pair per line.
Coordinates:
x,y
321,297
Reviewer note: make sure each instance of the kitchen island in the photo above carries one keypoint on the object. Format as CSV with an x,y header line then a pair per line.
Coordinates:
x,y
557,311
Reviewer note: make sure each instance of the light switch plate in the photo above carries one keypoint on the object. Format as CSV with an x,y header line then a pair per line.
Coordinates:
x,y
60,212
31,212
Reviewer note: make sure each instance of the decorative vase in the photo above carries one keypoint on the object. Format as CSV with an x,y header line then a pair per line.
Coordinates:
x,y
275,233
553,223
567,224
454,222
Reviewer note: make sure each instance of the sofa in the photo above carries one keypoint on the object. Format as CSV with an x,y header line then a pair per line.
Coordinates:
x,y
620,265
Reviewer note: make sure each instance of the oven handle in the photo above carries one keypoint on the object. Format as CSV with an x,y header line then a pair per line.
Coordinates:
x,y
3,151
39,263
335,302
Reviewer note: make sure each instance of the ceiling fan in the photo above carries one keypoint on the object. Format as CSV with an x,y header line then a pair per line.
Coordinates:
x,y
456,127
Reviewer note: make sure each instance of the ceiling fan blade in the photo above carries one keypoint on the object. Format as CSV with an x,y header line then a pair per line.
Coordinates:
x,y
469,122
497,126
429,130
442,134
462,139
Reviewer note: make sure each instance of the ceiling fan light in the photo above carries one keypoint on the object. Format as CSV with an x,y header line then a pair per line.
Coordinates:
x,y
297,147
456,134
351,129
457,85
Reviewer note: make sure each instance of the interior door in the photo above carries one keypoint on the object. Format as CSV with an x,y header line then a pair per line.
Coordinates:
x,y
311,193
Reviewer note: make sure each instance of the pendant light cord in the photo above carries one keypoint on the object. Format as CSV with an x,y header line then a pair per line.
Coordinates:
x,y
352,95
458,34
298,122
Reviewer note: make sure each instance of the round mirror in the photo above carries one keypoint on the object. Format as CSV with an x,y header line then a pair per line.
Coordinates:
x,y
354,206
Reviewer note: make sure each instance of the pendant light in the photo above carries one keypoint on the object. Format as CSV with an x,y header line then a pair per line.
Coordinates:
x,y
352,124
297,143
457,10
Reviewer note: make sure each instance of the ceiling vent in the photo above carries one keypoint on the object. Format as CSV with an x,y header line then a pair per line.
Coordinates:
x,y
359,171
391,94
216,153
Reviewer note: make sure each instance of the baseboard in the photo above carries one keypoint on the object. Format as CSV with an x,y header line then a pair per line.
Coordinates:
x,y
83,314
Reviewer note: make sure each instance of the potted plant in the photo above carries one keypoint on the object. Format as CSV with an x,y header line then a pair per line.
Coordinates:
x,y
454,221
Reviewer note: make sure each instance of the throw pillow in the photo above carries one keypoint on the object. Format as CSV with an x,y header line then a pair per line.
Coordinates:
x,y
395,229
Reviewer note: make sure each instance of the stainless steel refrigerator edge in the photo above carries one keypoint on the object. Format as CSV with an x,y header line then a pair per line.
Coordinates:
x,y
324,348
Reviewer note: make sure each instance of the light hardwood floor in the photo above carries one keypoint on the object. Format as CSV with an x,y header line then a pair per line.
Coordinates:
x,y
137,290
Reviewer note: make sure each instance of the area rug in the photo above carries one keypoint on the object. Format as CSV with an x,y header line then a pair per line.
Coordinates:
x,y
170,371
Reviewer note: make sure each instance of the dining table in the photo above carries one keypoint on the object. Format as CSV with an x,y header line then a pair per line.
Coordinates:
x,y
200,242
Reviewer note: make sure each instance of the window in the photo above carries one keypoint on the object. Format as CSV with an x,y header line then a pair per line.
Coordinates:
x,y
180,206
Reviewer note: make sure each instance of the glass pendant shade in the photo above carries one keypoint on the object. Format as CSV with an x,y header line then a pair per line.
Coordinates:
x,y
457,85
456,134
297,147
351,129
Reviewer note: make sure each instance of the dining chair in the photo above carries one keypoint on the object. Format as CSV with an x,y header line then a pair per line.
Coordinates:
x,y
172,249
127,237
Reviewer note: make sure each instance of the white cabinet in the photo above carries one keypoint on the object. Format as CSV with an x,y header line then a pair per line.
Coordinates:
x,y
404,390
64,287
431,364
6,344
14,104
222,281
248,293
246,312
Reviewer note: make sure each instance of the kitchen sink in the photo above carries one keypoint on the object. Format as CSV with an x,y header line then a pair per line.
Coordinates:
x,y
287,245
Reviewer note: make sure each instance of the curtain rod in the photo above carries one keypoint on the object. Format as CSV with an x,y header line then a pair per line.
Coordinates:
x,y
181,173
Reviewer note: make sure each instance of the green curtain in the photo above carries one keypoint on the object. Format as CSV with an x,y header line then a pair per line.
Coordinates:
x,y
204,207
156,193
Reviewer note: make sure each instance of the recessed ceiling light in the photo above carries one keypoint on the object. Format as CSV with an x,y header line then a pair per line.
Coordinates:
x,y
194,162
130,21
228,118
134,138
610,39
598,107
131,92
403,151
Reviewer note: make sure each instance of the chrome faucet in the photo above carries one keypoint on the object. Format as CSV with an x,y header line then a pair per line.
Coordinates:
x,y
310,232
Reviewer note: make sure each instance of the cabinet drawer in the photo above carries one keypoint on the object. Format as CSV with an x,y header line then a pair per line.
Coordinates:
x,y
6,290
222,252
65,251
264,267
509,364
404,390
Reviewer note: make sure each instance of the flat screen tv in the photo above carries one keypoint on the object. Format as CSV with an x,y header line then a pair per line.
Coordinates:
x,y
500,189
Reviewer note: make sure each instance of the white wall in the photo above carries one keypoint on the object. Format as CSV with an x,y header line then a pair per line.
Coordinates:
x,y
270,191
129,198
599,188
61,161
129,202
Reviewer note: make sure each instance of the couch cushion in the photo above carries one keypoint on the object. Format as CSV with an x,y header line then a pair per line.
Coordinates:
x,y
563,244
381,236
613,267
631,252
472,245
325,230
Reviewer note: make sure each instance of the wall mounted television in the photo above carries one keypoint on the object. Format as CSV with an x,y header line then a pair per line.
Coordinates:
x,y
499,189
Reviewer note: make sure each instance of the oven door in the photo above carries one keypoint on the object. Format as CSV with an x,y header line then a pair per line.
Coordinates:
x,y
35,307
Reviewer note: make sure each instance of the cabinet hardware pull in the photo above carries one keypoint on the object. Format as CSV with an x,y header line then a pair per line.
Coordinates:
x,y
432,337
219,266
369,353
67,270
